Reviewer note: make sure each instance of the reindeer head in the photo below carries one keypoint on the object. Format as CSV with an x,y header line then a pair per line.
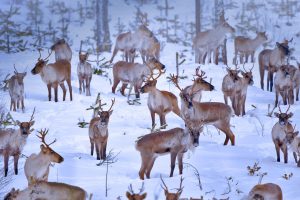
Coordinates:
x,y
46,150
83,57
290,135
136,196
25,127
233,73
262,36
172,196
285,70
194,128
284,46
58,42
19,76
227,28
13,194
150,83
200,83
104,115
153,63
283,117
40,63
247,75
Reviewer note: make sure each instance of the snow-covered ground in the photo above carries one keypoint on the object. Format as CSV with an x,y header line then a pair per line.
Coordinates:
x,y
214,161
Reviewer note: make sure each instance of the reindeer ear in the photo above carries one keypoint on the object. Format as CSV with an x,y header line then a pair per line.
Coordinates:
x,y
276,114
31,123
46,61
243,73
18,122
110,112
277,44
144,195
296,133
154,82
166,192
290,115
128,195
43,148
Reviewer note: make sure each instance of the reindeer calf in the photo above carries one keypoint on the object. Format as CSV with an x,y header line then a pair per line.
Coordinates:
x,y
12,142
267,191
98,132
37,166
294,142
229,84
84,72
49,190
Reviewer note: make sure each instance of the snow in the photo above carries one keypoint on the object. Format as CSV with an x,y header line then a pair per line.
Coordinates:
x,y
214,161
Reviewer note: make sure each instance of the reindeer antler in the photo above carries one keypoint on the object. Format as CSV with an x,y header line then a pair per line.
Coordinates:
x,y
112,103
39,49
288,108
32,116
42,136
164,184
48,55
202,75
179,190
142,188
16,71
174,80
130,189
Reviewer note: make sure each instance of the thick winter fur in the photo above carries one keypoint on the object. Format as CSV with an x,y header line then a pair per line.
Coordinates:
x,y
62,50
270,60
49,190
293,141
37,165
245,46
175,141
160,102
229,85
284,85
84,72
54,74
267,191
133,73
16,90
12,142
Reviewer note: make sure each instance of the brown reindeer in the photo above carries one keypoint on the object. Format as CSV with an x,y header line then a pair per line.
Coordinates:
x,y
208,113
267,191
169,195
241,91
293,142
12,142
270,60
246,46
133,73
131,195
62,50
49,190
209,41
175,141
229,85
278,132
84,72
284,85
37,165
54,74
16,89
159,102
98,131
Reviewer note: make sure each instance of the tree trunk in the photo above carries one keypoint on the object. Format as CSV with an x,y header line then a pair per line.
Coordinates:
x,y
198,16
105,24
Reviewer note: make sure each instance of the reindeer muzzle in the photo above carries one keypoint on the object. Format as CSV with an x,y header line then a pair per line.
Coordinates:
x,y
163,67
33,71
196,142
61,159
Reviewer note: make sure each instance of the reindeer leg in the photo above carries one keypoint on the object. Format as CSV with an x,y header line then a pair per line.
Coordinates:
x,y
276,97
49,91
285,153
104,150
11,104
162,120
295,157
277,148
124,86
268,80
18,103
6,158
23,107
83,85
271,81
173,159
297,93
70,88
97,150
137,93
92,146
152,117
145,160
14,105
88,91
252,57
116,82
149,167
62,85
80,83
55,92
16,159
180,162
225,128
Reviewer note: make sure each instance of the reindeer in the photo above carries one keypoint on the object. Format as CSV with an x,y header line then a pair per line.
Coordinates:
x,y
175,141
169,195
241,91
62,50
54,74
160,102
199,85
98,131
284,85
208,113
150,48
12,142
49,190
37,166
267,191
278,132
208,41
229,85
246,46
270,60
296,81
133,73
16,89
293,142
84,72
131,195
